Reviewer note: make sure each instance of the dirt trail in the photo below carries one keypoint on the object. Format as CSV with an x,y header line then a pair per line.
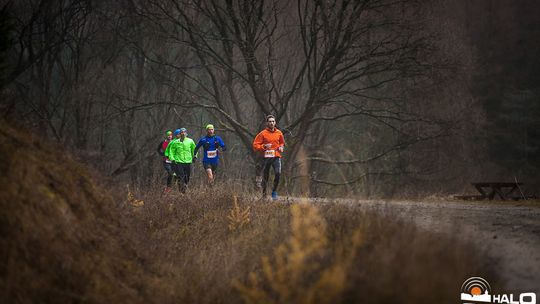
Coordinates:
x,y
510,232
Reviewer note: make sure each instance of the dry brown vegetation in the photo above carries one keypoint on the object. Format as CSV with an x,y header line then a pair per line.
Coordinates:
x,y
64,238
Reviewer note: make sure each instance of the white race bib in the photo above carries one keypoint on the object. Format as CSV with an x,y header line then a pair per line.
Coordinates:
x,y
211,154
167,161
269,153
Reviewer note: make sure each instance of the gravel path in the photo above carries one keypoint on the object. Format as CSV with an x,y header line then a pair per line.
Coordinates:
x,y
509,231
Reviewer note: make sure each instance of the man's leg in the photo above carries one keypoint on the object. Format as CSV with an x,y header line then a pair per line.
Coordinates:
x,y
209,173
214,168
178,171
187,173
169,169
276,164
259,168
265,174
181,175
210,176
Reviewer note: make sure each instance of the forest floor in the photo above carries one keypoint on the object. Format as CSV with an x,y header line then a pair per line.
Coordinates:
x,y
508,231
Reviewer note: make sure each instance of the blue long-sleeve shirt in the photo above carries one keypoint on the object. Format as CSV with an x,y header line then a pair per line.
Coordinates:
x,y
210,145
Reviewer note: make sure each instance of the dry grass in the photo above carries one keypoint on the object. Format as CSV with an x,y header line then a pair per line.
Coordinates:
x,y
238,217
304,261
58,229
65,239
296,253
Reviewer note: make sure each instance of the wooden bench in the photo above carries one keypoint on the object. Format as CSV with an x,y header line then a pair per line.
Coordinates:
x,y
488,190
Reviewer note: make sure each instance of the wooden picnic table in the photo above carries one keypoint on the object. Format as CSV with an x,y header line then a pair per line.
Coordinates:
x,y
488,190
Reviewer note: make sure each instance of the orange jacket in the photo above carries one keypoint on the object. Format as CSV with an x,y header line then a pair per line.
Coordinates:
x,y
275,138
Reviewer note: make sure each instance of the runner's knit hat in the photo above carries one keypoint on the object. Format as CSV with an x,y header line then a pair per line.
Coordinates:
x,y
177,131
209,126
169,132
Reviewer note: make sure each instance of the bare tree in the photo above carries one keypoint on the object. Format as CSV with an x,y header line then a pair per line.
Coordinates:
x,y
308,63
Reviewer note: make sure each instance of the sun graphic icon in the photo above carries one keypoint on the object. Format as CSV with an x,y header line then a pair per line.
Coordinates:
x,y
476,289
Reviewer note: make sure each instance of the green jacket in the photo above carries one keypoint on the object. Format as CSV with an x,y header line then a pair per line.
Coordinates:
x,y
181,151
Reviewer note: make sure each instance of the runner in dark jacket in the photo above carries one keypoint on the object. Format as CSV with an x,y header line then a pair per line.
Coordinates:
x,y
166,162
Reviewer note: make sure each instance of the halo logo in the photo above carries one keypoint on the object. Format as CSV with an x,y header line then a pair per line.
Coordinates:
x,y
476,289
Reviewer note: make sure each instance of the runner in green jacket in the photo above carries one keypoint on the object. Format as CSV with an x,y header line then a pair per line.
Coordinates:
x,y
181,151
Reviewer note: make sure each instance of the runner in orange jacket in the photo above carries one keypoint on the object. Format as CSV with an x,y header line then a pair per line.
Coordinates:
x,y
270,143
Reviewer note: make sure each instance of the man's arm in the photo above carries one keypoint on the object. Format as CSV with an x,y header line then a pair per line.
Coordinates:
x,y
281,142
160,150
222,144
198,146
168,150
193,148
258,142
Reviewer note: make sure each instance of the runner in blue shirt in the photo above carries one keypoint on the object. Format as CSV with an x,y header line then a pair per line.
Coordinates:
x,y
210,143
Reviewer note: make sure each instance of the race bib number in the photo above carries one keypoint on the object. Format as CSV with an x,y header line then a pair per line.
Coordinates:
x,y
269,153
211,154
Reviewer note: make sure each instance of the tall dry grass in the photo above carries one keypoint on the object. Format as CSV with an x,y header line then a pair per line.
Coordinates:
x,y
302,269
295,253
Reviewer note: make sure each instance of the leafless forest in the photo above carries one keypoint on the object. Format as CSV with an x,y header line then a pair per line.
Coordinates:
x,y
375,97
